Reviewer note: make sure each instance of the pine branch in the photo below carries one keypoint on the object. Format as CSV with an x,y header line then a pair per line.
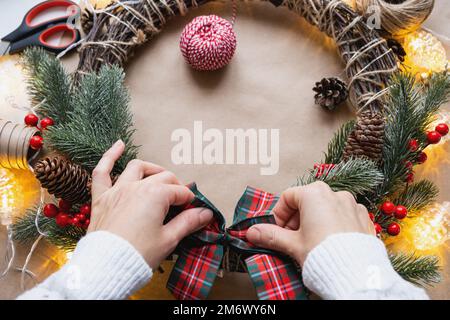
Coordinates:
x,y
337,144
400,129
25,231
357,176
419,270
437,93
418,195
99,118
65,238
48,84
24,228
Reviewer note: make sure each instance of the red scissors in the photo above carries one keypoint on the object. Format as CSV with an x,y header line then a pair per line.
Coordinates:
x,y
29,34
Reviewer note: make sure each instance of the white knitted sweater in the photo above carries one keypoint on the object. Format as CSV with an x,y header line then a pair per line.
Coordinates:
x,y
343,266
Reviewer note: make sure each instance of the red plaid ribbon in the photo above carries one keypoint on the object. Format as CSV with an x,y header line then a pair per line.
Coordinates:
x,y
275,277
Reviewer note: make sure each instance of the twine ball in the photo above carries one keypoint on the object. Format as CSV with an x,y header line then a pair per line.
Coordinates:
x,y
398,17
208,42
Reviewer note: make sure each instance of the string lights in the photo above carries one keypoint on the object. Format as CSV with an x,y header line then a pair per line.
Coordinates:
x,y
10,195
430,229
424,53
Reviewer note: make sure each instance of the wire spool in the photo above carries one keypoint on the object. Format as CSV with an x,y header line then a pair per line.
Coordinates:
x,y
15,150
398,17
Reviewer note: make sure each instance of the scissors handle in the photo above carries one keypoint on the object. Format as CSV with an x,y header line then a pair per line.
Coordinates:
x,y
41,39
26,28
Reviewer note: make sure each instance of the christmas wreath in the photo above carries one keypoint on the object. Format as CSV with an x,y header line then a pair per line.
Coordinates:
x,y
373,157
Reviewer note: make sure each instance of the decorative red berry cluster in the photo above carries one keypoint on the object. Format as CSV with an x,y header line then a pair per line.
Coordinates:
x,y
399,212
391,210
64,217
433,137
32,120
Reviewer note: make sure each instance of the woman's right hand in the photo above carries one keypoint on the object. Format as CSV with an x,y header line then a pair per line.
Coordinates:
x,y
306,215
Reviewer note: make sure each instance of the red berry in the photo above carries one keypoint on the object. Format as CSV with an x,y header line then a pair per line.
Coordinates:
x,y
410,177
76,222
50,210
85,209
408,165
393,229
400,212
46,122
422,157
63,219
81,217
433,137
36,142
31,120
388,208
371,216
86,223
64,205
442,128
413,145
378,228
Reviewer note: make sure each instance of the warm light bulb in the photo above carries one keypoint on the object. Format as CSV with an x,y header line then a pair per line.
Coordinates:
x,y
19,190
424,53
10,196
429,229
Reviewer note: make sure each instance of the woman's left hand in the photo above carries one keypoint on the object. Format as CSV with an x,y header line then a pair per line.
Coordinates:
x,y
135,207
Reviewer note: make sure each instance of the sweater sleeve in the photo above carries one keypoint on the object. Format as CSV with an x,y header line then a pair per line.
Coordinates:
x,y
355,266
103,266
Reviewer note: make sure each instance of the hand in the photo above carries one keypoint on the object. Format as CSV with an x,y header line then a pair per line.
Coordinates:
x,y
135,207
306,215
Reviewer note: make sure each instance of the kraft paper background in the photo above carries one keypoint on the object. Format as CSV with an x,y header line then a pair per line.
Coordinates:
x,y
267,86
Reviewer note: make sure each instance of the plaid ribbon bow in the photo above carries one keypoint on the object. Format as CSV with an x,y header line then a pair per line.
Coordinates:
x,y
201,254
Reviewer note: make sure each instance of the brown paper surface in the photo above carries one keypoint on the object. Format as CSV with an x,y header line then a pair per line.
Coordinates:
x,y
267,86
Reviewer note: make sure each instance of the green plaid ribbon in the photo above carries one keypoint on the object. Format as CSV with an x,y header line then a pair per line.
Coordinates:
x,y
274,276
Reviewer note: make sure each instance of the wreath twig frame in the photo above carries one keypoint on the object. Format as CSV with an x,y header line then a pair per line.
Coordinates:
x,y
369,61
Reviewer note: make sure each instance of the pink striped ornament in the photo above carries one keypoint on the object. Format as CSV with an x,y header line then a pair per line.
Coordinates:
x,y
208,42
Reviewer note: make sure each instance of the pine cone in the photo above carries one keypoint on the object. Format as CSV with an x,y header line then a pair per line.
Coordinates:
x,y
367,138
87,20
64,179
397,49
330,92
